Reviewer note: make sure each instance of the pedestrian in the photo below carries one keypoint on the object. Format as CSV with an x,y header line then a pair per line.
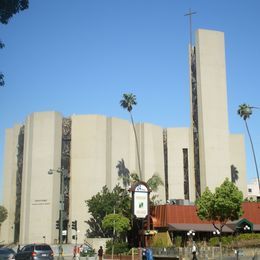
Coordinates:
x,y
100,253
194,251
18,248
75,252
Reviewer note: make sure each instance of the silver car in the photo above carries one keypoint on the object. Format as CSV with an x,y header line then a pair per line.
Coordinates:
x,y
35,252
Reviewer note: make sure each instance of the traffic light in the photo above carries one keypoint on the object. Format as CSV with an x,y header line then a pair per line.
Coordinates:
x,y
57,224
74,225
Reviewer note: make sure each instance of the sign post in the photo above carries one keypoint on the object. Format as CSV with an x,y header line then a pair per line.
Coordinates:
x,y
141,202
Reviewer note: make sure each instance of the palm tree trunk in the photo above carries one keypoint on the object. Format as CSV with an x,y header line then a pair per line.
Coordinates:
x,y
137,147
253,151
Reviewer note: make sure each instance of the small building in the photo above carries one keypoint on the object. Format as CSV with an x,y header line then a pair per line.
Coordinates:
x,y
178,220
253,192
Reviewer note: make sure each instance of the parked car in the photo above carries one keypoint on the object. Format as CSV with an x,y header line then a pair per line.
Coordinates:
x,y
6,253
35,252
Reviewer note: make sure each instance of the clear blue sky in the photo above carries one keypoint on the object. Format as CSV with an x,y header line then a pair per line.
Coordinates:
x,y
79,57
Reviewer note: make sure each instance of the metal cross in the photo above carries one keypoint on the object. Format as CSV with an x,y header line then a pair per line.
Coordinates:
x,y
190,13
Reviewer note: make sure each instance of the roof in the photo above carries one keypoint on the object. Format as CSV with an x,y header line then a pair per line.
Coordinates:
x,y
197,227
165,215
240,224
256,227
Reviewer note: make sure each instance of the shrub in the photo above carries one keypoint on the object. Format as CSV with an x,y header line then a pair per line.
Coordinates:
x,y
227,240
119,247
135,251
178,241
248,236
214,241
161,239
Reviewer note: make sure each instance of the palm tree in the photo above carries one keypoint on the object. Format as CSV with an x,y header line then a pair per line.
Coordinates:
x,y
128,101
245,111
153,183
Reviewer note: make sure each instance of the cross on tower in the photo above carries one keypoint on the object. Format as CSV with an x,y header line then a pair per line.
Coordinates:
x,y
190,13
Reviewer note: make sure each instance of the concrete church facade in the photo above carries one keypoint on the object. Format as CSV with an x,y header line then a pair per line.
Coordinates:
x,y
89,148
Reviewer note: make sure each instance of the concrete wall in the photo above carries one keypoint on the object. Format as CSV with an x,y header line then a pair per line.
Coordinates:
x,y
120,147
9,187
178,139
238,159
212,108
97,146
88,165
40,191
152,155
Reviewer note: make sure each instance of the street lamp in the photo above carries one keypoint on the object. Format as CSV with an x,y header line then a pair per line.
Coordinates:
x,y
246,228
61,212
191,233
216,232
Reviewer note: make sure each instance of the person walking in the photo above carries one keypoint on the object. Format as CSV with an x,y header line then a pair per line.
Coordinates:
x,y
100,253
194,251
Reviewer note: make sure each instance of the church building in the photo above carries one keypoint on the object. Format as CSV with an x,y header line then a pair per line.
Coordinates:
x,y
86,152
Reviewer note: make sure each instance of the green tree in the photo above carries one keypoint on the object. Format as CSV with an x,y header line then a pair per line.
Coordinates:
x,y
153,183
222,206
245,111
103,204
3,214
117,224
2,81
128,101
8,8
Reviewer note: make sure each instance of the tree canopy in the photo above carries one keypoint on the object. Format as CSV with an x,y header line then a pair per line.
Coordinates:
x,y
116,223
105,203
8,8
153,183
244,111
3,214
220,207
128,101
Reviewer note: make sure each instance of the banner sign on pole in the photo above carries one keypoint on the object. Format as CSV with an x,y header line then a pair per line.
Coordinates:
x,y
141,194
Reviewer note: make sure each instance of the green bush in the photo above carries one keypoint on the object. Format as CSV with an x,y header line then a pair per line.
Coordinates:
x,y
227,240
135,251
248,236
177,241
230,240
214,241
119,247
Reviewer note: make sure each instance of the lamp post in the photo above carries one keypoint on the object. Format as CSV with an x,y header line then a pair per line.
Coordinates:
x,y
61,212
191,234
216,232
